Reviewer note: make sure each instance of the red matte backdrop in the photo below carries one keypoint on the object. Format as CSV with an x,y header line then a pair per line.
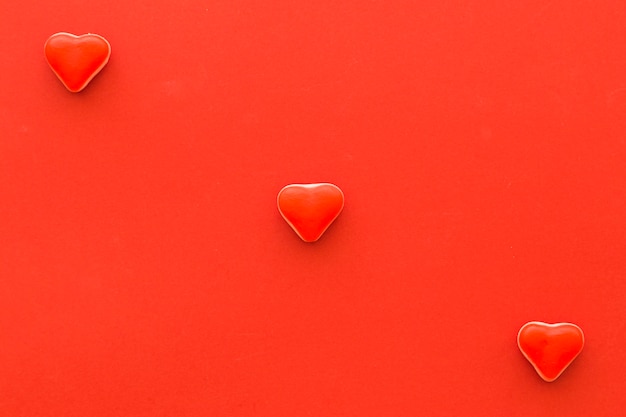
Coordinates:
x,y
145,270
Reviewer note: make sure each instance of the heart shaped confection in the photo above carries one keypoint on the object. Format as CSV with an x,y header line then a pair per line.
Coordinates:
x,y
310,208
76,59
550,348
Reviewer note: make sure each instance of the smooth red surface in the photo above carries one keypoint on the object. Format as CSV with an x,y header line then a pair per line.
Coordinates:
x,y
145,270
76,59
550,348
310,208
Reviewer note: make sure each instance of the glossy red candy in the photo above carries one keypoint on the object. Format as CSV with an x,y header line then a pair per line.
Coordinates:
x,y
310,208
550,348
76,59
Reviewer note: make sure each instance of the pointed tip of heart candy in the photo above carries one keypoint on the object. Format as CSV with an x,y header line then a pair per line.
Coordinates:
x,y
550,348
310,209
76,60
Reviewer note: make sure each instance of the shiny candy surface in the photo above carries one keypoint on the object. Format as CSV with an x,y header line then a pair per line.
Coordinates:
x,y
550,348
310,208
76,59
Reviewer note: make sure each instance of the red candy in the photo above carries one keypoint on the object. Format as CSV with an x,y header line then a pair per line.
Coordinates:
x,y
550,348
76,59
310,208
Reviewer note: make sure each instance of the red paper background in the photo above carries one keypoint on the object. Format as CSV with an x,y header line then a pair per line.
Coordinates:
x,y
145,270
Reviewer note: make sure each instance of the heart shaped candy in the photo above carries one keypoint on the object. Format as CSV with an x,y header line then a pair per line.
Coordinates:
x,y
550,348
76,59
310,208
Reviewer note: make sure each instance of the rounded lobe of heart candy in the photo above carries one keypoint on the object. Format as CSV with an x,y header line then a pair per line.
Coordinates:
x,y
76,59
550,348
310,208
